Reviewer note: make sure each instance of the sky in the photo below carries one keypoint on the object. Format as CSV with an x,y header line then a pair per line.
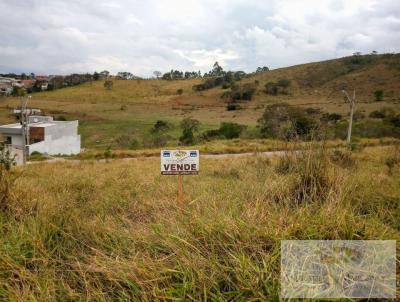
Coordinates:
x,y
141,36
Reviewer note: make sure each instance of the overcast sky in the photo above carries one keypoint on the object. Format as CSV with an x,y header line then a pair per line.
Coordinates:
x,y
140,36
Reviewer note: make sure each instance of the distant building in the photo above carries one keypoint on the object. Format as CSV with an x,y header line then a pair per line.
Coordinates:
x,y
6,85
45,136
6,89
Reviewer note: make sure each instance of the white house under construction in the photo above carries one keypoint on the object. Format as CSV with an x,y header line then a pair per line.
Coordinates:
x,y
45,136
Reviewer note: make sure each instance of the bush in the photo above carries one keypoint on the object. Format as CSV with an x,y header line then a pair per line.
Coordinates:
x,y
225,131
284,83
108,84
61,118
232,107
189,126
395,121
240,92
225,81
377,114
271,88
331,117
286,122
230,130
160,125
279,87
18,91
378,94
179,91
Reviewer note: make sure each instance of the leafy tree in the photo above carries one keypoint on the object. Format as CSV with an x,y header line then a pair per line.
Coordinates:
x,y
262,69
378,95
285,122
104,74
189,126
125,75
157,74
217,70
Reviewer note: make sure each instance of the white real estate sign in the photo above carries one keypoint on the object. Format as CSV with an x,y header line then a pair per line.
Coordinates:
x,y
180,162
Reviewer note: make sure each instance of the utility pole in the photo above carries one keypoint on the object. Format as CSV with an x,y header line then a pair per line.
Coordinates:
x,y
25,128
352,103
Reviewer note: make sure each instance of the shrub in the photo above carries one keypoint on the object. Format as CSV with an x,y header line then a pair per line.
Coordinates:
x,y
271,88
377,114
189,126
18,91
286,122
395,121
211,134
108,153
331,117
179,91
108,84
160,125
279,87
284,83
378,94
240,92
225,81
230,130
232,107
61,118
225,131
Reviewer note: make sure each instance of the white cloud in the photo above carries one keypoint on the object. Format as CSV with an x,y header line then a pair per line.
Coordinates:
x,y
55,36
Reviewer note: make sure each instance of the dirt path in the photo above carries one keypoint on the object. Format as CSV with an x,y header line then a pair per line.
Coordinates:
x,y
224,155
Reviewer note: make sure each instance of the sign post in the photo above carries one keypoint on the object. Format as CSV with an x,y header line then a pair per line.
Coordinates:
x,y
180,162
180,189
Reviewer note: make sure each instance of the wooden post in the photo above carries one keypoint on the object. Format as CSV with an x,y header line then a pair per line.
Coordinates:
x,y
180,190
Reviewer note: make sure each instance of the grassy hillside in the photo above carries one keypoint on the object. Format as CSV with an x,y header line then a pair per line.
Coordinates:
x,y
132,107
114,231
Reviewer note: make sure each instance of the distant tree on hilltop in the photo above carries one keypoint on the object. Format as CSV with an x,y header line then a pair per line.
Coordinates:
x,y
157,74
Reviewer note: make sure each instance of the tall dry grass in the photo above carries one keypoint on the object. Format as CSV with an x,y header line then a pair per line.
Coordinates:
x,y
114,232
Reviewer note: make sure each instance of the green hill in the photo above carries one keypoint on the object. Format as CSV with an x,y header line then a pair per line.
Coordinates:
x,y
131,108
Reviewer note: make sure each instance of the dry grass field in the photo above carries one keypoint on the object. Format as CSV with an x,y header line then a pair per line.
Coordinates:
x,y
114,231
132,107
